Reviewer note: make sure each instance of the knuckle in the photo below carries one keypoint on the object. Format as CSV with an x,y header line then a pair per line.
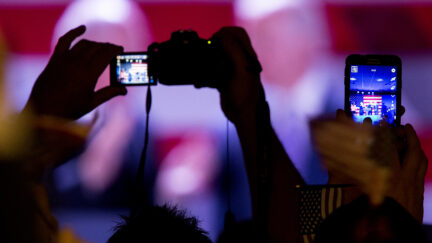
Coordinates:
x,y
62,40
84,42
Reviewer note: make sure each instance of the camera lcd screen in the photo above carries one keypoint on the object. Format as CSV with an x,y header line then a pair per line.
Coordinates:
x,y
373,91
132,69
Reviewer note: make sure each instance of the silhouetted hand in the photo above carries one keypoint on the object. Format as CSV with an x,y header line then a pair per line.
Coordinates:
x,y
374,159
272,176
240,95
53,141
66,87
409,175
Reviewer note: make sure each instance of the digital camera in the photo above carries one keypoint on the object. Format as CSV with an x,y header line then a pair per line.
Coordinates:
x,y
184,59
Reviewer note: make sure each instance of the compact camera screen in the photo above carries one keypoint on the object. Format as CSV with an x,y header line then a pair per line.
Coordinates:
x,y
373,93
130,69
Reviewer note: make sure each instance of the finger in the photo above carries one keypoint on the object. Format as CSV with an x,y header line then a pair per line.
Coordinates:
x,y
342,116
377,186
102,57
242,67
351,168
367,122
384,124
400,131
415,160
237,45
242,35
84,50
411,135
66,40
246,45
106,94
347,132
336,149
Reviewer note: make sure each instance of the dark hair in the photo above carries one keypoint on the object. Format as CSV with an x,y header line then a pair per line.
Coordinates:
x,y
245,231
159,224
358,222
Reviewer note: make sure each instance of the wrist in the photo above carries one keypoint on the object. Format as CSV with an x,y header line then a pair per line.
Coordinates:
x,y
257,115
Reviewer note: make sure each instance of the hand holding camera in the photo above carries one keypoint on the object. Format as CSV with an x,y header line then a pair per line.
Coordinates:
x,y
66,87
226,62
242,93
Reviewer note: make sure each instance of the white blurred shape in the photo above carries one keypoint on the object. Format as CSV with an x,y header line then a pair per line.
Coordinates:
x,y
181,179
353,79
380,80
249,9
112,11
121,22
188,168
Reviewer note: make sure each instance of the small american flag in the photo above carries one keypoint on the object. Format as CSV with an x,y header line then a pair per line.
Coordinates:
x,y
373,100
367,100
316,203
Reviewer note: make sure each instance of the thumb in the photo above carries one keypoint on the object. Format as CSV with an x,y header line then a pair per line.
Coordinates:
x,y
412,138
415,161
105,94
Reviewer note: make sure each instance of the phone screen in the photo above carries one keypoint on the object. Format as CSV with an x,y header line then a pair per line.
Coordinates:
x,y
132,69
373,93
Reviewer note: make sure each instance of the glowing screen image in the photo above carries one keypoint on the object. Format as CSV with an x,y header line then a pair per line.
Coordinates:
x,y
373,93
132,69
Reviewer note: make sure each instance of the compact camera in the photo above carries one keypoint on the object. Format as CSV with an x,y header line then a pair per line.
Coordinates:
x,y
184,59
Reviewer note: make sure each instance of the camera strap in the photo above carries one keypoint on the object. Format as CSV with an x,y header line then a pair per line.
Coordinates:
x,y
139,195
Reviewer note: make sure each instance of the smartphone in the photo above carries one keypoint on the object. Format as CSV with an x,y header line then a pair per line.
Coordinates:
x,y
130,69
373,85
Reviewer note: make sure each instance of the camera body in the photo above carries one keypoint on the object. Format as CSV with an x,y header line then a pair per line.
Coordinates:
x,y
187,59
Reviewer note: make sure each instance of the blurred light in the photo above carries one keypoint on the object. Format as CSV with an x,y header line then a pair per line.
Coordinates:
x,y
113,11
393,88
259,8
188,167
181,179
380,80
353,79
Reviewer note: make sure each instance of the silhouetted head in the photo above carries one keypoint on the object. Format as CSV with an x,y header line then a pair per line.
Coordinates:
x,y
245,231
161,224
358,222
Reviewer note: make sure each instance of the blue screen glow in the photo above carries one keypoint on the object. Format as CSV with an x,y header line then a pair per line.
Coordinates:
x,y
373,91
